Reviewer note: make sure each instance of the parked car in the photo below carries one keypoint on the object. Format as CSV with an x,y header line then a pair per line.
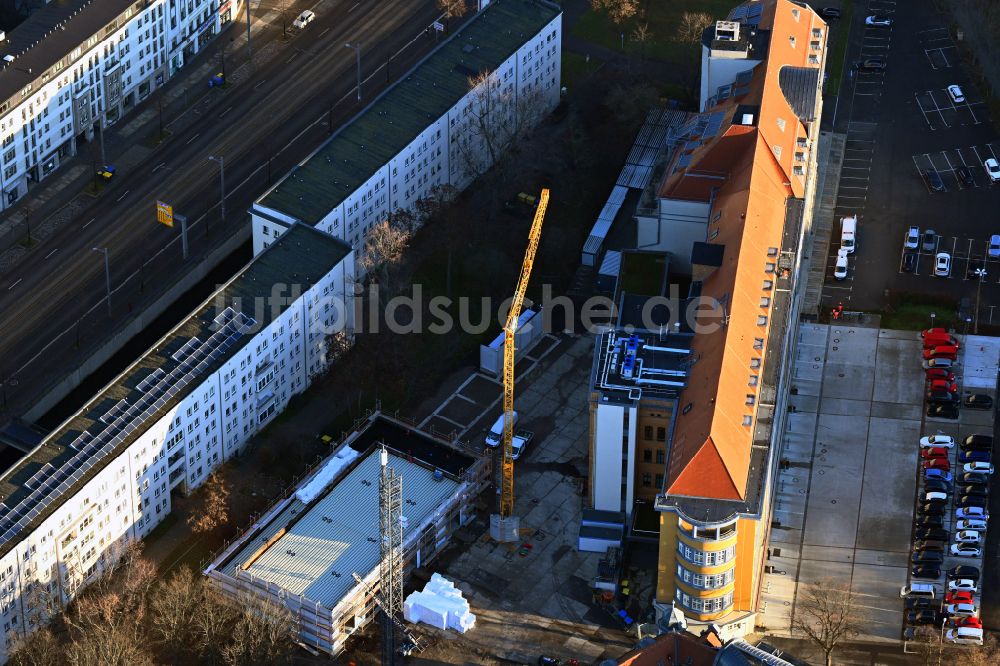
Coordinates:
x,y
961,610
871,64
994,246
927,557
967,455
977,445
941,441
965,176
943,411
938,339
969,536
945,363
935,497
943,398
972,512
928,522
956,94
970,502
939,463
942,264
983,467
841,265
878,20
912,241
961,550
932,509
942,385
909,262
958,597
973,622
930,534
945,351
962,584
933,452
970,479
940,373
939,485
934,180
992,169
829,13
970,524
920,603
926,572
932,331
974,491
978,401
929,244
937,474
964,571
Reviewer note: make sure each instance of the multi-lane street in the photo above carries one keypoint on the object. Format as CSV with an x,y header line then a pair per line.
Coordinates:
x,y
52,302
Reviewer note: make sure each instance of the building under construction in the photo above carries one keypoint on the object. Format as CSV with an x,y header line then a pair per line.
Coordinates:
x,y
302,553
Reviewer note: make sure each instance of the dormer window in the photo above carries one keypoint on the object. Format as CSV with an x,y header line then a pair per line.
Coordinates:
x,y
791,40
795,14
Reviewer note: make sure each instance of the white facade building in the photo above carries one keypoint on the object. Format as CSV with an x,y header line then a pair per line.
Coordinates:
x,y
426,130
73,65
104,477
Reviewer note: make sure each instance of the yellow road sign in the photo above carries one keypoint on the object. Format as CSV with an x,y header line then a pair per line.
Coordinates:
x,y
164,213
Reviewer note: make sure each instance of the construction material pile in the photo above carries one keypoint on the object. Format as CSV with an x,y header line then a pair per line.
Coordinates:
x,y
440,604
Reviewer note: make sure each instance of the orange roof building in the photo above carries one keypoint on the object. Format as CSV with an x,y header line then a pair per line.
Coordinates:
x,y
731,208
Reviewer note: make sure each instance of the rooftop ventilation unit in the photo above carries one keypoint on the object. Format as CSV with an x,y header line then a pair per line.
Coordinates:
x,y
727,31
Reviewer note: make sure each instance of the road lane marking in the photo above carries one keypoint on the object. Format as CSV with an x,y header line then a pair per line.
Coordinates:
x,y
51,253
259,84
159,166
88,223
354,7
228,109
15,284
325,30
192,139
122,196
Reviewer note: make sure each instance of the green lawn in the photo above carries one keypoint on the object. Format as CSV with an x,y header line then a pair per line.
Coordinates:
x,y
661,17
838,51
575,68
917,316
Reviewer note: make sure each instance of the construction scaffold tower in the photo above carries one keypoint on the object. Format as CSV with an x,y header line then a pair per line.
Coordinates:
x,y
504,526
390,598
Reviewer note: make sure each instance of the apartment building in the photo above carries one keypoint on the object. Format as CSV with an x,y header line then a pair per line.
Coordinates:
x,y
429,129
105,477
77,66
302,553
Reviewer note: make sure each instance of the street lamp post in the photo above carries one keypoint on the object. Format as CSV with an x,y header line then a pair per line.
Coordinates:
x,y
222,182
107,273
357,53
981,274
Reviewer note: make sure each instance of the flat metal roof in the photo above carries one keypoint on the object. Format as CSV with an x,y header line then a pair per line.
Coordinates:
x,y
338,534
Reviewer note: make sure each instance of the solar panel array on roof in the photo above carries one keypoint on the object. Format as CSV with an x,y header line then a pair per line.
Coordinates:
x,y
748,13
649,145
713,124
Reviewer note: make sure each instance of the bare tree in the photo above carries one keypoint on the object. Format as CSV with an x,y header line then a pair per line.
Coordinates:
x,y
262,634
618,11
988,655
174,605
452,9
38,648
213,625
384,247
641,36
630,104
212,509
498,121
827,613
692,25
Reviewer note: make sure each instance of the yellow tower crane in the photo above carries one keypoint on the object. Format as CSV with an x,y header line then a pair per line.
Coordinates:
x,y
504,526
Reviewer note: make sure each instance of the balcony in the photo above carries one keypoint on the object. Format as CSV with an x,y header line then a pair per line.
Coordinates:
x,y
174,458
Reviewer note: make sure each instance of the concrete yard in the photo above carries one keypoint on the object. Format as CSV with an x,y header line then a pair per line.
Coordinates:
x,y
845,503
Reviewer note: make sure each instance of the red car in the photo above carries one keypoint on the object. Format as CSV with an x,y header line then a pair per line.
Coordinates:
x,y
958,597
942,351
971,622
943,385
935,340
940,373
936,463
933,331
935,452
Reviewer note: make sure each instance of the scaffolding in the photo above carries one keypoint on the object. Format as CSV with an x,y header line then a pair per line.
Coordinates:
x,y
390,487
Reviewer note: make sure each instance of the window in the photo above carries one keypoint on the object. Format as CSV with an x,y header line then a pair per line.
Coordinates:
x,y
661,434
659,456
758,343
768,285
647,455
647,432
754,363
781,124
659,480
747,420
762,320
753,380
777,152
750,399
647,480
791,40
765,301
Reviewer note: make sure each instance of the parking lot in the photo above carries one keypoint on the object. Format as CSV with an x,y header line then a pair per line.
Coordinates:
x,y
845,501
900,123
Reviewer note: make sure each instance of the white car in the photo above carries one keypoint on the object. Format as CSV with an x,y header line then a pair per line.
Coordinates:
x,y
937,441
517,445
840,268
942,264
962,585
879,20
968,536
965,550
962,610
912,238
970,524
935,496
304,19
978,466
972,512
992,169
956,94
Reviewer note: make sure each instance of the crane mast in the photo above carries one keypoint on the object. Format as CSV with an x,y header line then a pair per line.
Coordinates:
x,y
506,515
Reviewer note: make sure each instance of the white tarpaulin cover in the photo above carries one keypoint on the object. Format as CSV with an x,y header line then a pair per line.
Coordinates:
x,y
440,604
325,475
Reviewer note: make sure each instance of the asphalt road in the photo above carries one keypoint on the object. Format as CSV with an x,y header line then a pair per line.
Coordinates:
x,y
898,124
282,112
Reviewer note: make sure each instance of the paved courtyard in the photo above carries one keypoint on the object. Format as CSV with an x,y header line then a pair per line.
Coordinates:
x,y
844,504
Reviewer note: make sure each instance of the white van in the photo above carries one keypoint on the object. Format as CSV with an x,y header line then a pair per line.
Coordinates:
x,y
495,435
923,590
849,233
965,635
